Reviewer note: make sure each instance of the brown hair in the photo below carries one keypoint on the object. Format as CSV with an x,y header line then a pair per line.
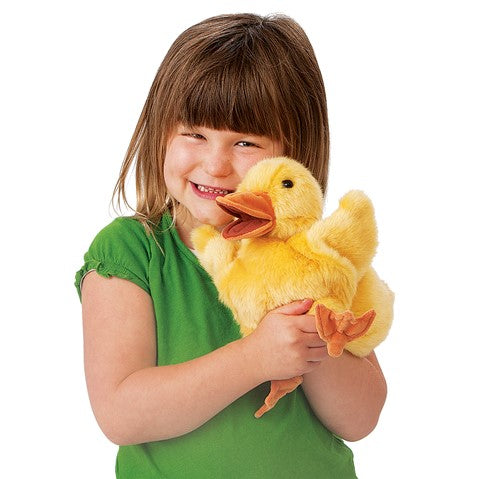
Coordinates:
x,y
240,72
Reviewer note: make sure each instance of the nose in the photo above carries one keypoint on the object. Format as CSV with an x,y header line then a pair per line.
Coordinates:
x,y
217,163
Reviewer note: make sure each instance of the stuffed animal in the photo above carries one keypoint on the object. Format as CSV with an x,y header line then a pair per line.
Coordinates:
x,y
278,250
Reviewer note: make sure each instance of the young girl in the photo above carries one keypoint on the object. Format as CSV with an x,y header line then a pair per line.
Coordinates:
x,y
169,377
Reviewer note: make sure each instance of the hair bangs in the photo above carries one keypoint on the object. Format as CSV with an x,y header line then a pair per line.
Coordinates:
x,y
231,99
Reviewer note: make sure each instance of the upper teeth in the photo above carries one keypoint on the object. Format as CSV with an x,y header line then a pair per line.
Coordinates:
x,y
206,189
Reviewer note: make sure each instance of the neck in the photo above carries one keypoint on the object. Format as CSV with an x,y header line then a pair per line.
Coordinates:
x,y
184,224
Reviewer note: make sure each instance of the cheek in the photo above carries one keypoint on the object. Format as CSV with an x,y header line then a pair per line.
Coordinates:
x,y
177,164
245,164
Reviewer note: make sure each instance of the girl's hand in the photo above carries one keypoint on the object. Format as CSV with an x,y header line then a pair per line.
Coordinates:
x,y
285,343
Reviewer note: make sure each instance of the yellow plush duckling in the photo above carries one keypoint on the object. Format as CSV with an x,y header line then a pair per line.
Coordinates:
x,y
279,250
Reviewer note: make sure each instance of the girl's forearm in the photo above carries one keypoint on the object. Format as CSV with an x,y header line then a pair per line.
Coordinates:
x,y
163,402
347,394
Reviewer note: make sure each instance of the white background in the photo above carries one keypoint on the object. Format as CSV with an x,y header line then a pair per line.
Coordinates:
x,y
402,82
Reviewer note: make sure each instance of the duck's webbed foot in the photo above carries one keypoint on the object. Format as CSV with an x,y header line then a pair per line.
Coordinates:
x,y
337,329
279,388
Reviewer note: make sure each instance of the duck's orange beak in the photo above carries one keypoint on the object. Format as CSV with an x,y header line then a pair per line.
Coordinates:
x,y
253,211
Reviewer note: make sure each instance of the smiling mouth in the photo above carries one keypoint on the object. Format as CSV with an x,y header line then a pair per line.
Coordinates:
x,y
209,192
214,191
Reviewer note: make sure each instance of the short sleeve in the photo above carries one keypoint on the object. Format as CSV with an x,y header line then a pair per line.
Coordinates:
x,y
121,249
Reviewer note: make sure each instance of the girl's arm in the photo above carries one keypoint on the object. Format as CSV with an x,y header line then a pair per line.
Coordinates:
x,y
133,400
347,394
136,401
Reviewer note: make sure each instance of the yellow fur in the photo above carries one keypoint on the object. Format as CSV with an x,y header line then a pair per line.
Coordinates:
x,y
302,257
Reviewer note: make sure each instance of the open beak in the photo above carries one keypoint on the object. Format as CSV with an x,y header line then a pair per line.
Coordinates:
x,y
253,211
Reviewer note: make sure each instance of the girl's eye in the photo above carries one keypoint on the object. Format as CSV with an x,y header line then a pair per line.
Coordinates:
x,y
245,144
196,136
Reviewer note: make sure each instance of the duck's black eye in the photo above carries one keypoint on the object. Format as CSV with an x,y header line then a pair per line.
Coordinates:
x,y
287,183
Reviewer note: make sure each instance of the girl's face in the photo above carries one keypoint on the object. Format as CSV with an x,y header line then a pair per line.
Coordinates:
x,y
202,164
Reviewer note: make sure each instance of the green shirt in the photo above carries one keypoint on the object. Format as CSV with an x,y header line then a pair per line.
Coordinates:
x,y
287,442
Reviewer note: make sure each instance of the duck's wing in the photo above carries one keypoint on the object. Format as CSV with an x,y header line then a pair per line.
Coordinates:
x,y
214,252
350,230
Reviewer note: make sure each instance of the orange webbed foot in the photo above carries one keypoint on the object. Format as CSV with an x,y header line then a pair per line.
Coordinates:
x,y
337,329
279,389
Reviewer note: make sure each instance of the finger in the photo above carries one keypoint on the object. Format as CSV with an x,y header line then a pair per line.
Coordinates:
x,y
295,308
314,341
307,323
317,354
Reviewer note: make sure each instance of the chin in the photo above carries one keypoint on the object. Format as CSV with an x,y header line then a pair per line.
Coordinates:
x,y
216,221
215,217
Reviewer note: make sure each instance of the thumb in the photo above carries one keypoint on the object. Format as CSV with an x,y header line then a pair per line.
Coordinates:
x,y
296,307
